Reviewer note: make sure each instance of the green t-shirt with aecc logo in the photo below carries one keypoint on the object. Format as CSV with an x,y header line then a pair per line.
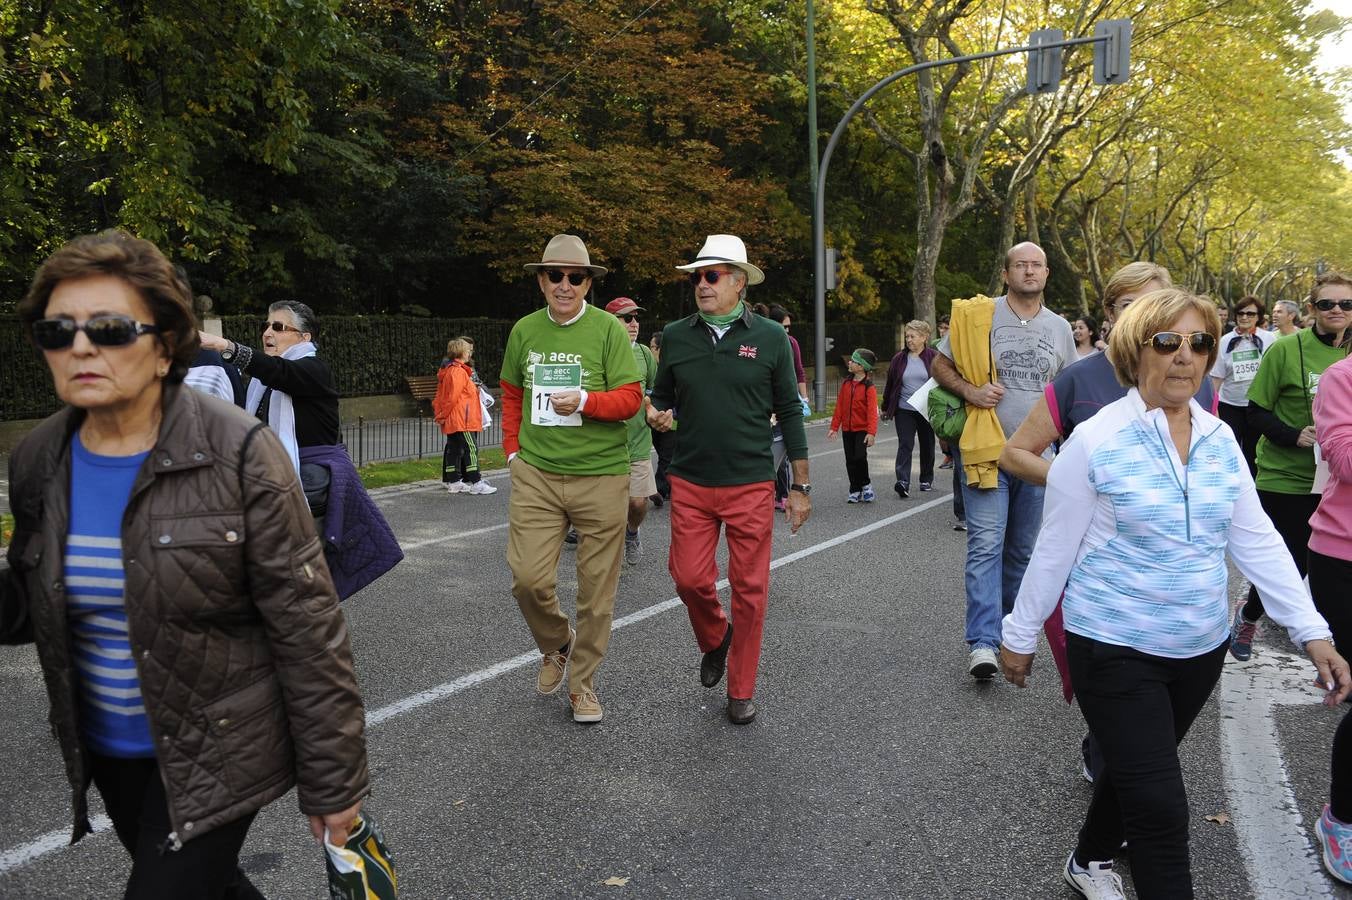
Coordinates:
x,y
1286,383
593,353
639,435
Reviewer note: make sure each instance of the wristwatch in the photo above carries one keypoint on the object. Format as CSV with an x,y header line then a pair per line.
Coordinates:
x,y
801,488
229,352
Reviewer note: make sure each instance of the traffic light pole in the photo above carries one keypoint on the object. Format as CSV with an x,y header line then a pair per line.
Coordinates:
x,y
819,200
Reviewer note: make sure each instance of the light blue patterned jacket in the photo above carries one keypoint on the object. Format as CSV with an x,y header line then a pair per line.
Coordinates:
x,y
1137,540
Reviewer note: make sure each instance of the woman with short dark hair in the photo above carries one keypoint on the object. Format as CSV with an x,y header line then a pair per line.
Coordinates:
x,y
166,566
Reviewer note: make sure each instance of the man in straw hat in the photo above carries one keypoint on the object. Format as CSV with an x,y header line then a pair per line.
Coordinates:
x,y
568,384
725,370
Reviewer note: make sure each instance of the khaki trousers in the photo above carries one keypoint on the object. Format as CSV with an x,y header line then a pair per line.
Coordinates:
x,y
539,512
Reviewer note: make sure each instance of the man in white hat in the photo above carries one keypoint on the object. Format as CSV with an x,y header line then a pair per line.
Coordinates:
x,y
724,370
568,384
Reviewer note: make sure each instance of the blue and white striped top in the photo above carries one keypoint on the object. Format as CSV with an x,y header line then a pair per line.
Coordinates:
x,y
1137,540
112,716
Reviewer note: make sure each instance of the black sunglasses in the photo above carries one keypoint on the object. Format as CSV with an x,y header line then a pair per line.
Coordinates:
x,y
629,317
1167,342
709,275
574,278
280,326
111,330
1326,305
1246,313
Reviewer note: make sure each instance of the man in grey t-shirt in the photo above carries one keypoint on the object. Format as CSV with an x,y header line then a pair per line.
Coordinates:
x,y
1029,345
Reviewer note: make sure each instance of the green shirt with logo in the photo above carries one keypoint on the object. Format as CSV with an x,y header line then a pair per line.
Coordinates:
x,y
1286,383
593,353
640,436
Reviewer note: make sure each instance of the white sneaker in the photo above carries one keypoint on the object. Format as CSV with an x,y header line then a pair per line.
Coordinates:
x,y
982,664
481,487
456,487
1097,881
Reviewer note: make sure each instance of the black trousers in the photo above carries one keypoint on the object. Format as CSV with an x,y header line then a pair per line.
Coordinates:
x,y
205,868
912,429
1139,707
460,459
1247,433
664,442
1290,515
1331,588
856,459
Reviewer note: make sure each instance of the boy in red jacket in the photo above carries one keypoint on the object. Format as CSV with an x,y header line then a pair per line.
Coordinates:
x,y
857,416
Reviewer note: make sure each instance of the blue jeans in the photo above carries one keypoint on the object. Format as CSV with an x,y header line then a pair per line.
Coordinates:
x,y
1002,526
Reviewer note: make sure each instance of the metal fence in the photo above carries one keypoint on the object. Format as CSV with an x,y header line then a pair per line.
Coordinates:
x,y
397,440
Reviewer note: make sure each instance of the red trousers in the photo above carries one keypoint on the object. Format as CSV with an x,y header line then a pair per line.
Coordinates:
x,y
697,514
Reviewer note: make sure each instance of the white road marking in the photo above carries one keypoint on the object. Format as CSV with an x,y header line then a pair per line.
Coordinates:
x,y
57,840
40,846
1279,858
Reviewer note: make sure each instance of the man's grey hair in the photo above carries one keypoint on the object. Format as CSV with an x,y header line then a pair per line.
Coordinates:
x,y
305,317
1290,306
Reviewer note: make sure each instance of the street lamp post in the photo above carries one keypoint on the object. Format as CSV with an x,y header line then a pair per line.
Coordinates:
x,y
1111,46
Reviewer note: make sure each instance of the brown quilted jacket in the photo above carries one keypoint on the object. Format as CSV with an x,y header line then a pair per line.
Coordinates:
x,y
240,647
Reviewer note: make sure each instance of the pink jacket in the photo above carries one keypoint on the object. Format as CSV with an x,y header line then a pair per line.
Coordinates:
x,y
1331,524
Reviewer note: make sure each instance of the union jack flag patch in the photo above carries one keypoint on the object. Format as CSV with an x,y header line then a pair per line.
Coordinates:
x,y
747,351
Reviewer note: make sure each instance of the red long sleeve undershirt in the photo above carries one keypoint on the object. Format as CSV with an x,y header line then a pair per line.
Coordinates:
x,y
605,406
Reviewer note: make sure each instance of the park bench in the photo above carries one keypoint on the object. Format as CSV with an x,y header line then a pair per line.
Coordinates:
x,y
422,387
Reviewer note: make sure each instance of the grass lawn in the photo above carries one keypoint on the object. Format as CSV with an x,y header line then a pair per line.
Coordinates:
x,y
384,474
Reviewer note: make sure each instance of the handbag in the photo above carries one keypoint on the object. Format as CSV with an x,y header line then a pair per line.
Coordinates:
x,y
947,413
314,480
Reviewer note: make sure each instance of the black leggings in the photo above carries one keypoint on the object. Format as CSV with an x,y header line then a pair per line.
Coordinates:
x,y
1290,515
204,868
1246,432
1331,587
460,459
1139,707
856,459
912,429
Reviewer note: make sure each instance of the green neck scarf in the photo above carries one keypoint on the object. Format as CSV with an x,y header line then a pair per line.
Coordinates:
x,y
722,321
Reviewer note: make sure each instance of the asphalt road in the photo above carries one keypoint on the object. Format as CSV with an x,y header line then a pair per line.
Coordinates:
x,y
877,767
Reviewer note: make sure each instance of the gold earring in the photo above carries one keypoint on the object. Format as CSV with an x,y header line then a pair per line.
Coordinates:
x,y
163,371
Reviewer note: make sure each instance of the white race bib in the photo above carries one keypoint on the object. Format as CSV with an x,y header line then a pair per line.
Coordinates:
x,y
1321,472
548,379
1244,365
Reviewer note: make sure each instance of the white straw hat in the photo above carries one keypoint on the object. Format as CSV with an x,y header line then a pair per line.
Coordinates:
x,y
725,248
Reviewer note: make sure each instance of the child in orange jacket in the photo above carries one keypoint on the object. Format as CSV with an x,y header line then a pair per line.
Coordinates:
x,y
457,410
857,416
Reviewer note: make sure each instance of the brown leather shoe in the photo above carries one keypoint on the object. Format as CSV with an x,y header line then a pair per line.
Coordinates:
x,y
713,663
740,712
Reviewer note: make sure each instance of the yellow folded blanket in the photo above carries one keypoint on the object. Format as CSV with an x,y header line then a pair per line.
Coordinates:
x,y
970,339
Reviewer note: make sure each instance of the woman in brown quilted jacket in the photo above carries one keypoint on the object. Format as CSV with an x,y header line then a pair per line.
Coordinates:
x,y
165,563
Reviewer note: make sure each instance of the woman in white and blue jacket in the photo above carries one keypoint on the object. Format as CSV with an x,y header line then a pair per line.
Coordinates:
x,y
1142,504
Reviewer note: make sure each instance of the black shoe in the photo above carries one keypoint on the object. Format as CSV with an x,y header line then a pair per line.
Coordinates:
x,y
740,712
657,501
903,490
713,663
961,525
570,539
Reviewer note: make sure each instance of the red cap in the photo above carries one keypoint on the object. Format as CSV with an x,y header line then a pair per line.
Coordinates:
x,y
621,305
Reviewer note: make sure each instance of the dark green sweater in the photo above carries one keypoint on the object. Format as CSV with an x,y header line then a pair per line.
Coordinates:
x,y
723,394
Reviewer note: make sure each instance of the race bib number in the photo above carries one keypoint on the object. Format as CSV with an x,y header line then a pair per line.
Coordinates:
x,y
1244,365
550,379
1321,472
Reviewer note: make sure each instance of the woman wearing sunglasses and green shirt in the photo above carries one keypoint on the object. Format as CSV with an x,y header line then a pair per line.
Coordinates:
x,y
1281,399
